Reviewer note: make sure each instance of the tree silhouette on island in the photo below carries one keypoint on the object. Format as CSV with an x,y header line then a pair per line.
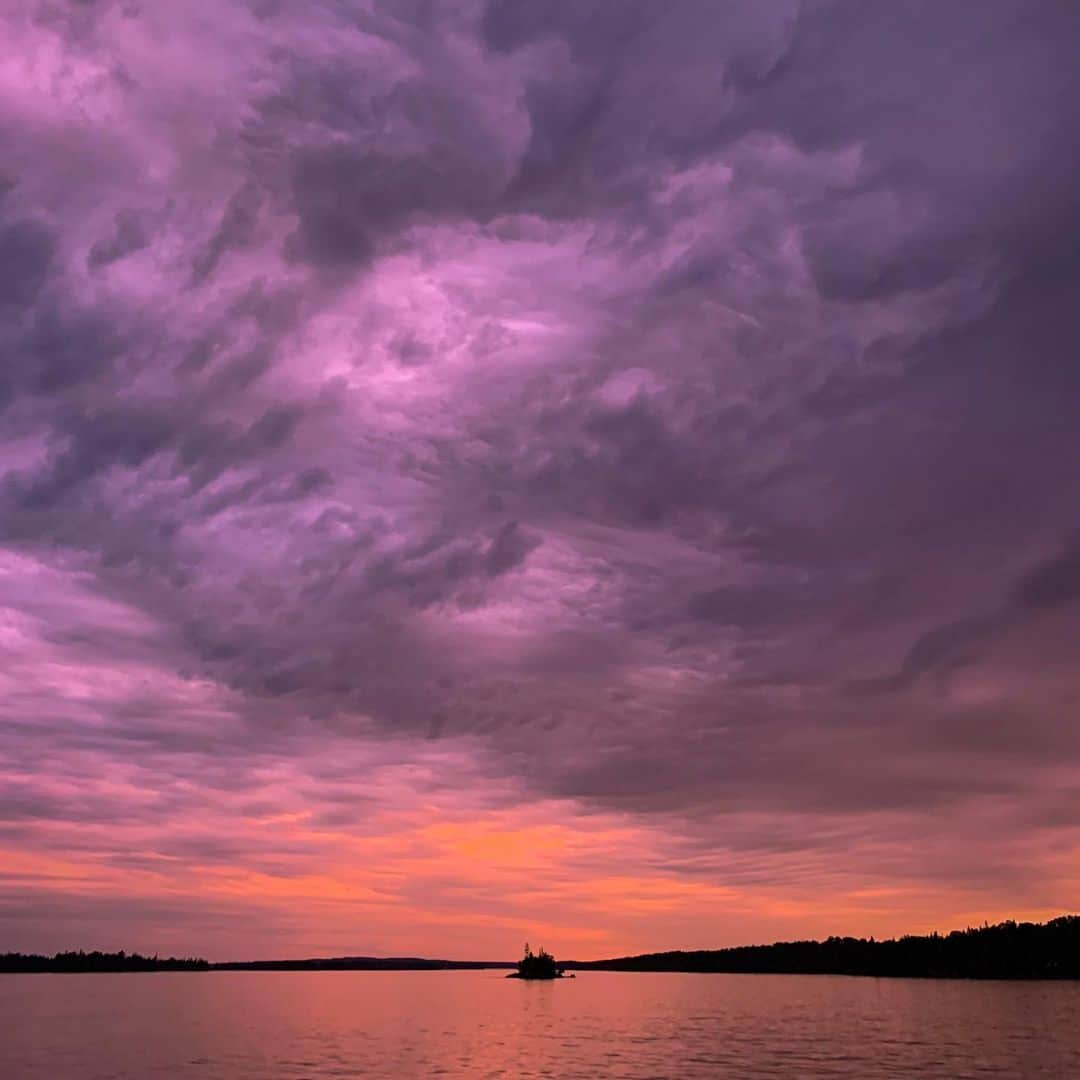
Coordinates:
x,y
539,965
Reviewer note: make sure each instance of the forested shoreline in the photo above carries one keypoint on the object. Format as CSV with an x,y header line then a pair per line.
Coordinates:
x,y
1007,950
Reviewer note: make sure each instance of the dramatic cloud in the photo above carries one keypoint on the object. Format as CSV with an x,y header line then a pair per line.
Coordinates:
x,y
477,469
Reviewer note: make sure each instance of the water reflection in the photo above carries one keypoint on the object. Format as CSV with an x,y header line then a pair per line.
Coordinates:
x,y
241,1025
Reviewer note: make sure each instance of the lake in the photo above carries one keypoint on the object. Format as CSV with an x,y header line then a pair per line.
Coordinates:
x,y
248,1025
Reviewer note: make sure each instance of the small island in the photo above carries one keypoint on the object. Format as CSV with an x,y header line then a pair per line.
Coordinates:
x,y
538,965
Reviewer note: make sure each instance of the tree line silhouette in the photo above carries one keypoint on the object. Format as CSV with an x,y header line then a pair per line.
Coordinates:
x,y
104,962
1007,950
97,961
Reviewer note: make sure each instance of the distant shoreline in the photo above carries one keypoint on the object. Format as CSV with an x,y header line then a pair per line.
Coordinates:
x,y
1012,951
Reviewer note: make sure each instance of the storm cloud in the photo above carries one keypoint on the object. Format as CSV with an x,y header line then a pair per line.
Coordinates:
x,y
638,434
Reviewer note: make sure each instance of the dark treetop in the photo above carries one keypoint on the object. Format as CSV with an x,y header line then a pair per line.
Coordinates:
x,y
539,965
1008,950
97,961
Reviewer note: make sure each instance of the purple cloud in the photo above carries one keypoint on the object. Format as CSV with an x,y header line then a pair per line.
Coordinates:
x,y
659,414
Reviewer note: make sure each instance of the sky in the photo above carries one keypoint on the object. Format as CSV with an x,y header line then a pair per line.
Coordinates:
x,y
595,473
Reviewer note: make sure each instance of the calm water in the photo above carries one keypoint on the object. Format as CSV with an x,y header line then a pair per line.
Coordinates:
x,y
236,1025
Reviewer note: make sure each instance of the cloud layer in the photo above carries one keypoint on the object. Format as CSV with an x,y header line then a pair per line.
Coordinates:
x,y
603,467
